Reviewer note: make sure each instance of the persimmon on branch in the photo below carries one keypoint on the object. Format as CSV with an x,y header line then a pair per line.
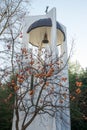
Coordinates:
x,y
39,87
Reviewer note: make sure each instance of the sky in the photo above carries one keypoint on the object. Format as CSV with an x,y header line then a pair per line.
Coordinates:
x,y
72,14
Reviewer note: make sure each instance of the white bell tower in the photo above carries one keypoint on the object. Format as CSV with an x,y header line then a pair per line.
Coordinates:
x,y
39,31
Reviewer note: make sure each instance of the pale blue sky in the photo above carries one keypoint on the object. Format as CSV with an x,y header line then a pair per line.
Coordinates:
x,y
73,14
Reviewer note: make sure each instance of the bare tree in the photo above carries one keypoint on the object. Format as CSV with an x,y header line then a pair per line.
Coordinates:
x,y
11,12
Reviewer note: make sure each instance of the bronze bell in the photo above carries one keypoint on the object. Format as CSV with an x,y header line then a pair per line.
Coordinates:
x,y
45,40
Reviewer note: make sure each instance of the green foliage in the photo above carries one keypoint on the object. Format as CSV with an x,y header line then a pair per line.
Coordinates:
x,y
6,108
78,124
78,106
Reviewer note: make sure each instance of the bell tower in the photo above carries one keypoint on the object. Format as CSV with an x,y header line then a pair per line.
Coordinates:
x,y
44,32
